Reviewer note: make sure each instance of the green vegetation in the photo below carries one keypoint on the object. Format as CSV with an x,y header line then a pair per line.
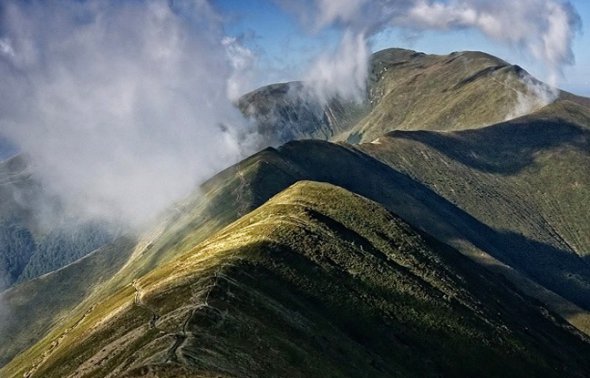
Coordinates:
x,y
407,90
29,245
319,281
271,270
37,306
33,307
17,245
463,90
527,180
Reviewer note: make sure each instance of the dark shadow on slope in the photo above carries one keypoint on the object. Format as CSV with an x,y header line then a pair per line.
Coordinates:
x,y
558,270
505,148
275,170
334,315
288,111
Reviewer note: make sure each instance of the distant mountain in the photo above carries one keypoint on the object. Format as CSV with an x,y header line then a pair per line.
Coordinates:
x,y
29,245
290,111
463,90
406,90
455,243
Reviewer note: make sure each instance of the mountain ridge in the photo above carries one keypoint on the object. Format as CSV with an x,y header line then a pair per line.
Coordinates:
x,y
267,229
509,196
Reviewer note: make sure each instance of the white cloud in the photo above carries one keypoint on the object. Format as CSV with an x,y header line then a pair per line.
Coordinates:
x,y
6,48
341,73
242,61
543,28
120,105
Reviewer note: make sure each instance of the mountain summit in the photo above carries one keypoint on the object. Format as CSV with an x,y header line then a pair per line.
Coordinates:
x,y
438,228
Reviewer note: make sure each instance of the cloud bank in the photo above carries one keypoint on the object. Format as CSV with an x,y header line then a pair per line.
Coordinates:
x,y
126,106
123,107
542,28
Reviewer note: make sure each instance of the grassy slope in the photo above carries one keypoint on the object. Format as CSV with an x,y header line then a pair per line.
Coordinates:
x,y
33,309
407,90
527,179
245,186
528,175
411,91
317,282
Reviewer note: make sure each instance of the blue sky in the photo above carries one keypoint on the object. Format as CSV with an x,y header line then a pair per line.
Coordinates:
x,y
284,46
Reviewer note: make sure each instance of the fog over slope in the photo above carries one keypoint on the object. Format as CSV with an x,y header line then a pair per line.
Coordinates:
x,y
138,123
119,118
124,118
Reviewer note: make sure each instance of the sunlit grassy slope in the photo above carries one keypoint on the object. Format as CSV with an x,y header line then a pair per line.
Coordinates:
x,y
500,209
406,90
31,309
528,180
529,175
513,197
463,90
316,282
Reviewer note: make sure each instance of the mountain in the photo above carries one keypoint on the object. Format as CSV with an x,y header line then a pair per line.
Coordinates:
x,y
406,90
290,111
30,244
463,90
434,243
317,281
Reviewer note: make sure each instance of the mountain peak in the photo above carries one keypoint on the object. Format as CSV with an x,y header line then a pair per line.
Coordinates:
x,y
406,90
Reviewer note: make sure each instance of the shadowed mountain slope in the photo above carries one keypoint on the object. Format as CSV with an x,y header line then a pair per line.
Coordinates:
x,y
35,236
318,281
481,199
32,309
527,250
529,175
290,111
512,196
406,90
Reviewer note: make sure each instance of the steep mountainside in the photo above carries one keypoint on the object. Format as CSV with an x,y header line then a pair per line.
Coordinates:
x,y
486,257
513,251
30,246
529,175
463,90
317,281
406,90
290,111
34,308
